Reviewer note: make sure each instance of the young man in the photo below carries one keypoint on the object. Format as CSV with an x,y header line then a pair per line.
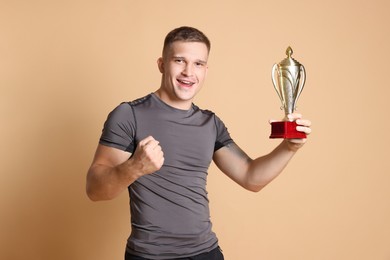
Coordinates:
x,y
160,146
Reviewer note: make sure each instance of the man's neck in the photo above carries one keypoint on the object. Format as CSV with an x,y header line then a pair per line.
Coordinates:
x,y
179,104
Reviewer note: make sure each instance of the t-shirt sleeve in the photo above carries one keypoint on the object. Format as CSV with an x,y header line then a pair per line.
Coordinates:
x,y
223,136
119,128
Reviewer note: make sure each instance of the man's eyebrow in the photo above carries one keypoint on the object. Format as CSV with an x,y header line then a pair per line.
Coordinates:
x,y
181,57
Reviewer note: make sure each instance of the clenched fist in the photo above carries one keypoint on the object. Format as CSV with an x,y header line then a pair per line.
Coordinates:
x,y
148,155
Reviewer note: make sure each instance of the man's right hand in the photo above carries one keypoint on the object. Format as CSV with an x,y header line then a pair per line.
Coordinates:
x,y
148,156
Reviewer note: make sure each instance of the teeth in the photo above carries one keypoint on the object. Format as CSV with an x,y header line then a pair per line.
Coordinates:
x,y
186,82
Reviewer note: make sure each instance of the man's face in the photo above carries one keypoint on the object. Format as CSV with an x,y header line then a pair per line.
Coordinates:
x,y
184,68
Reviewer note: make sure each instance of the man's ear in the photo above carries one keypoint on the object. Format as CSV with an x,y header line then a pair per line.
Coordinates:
x,y
160,64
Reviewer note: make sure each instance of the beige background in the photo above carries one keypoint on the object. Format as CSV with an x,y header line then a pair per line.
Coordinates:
x,y
65,64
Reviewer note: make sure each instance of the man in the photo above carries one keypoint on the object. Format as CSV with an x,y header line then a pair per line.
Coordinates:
x,y
159,147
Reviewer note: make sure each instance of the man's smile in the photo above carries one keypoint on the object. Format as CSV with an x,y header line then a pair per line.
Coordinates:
x,y
185,83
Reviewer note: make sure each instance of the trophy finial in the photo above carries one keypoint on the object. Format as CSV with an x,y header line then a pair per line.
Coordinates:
x,y
289,51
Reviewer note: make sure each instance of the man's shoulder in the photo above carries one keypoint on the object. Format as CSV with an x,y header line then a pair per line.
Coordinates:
x,y
127,107
140,100
202,110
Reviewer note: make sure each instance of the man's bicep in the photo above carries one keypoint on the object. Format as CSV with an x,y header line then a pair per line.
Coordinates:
x,y
110,156
232,161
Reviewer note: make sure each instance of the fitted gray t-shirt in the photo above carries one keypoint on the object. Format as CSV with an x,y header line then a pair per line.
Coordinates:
x,y
170,214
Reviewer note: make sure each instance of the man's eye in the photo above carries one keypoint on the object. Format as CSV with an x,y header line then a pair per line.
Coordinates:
x,y
199,64
179,60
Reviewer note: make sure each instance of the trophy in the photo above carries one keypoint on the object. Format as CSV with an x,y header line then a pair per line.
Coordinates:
x,y
288,78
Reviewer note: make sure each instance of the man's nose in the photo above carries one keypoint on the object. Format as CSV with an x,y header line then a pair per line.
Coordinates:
x,y
188,70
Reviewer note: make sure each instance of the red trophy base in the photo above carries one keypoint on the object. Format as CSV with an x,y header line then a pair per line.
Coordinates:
x,y
286,130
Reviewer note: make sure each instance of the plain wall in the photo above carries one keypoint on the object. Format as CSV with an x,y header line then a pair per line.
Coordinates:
x,y
64,65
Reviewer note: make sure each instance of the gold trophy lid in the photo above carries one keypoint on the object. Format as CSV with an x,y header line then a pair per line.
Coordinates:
x,y
289,61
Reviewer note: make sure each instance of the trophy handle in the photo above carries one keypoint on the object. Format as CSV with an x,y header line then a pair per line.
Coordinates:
x,y
274,68
301,84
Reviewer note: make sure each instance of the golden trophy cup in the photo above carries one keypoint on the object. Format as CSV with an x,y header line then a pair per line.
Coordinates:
x,y
288,78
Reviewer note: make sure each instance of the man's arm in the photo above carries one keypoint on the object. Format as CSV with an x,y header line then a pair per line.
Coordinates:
x,y
255,174
112,171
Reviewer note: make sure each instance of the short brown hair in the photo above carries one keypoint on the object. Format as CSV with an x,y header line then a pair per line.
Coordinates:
x,y
186,34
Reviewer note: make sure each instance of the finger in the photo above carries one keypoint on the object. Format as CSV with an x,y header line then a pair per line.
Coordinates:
x,y
149,143
294,116
146,140
152,145
297,141
156,148
304,122
304,129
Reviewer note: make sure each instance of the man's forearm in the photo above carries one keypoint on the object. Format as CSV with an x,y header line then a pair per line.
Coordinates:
x,y
105,183
266,168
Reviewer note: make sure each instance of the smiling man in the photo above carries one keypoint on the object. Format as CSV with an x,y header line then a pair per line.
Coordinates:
x,y
183,67
160,147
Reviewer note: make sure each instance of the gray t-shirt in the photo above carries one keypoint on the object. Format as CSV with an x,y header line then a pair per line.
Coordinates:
x,y
170,214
